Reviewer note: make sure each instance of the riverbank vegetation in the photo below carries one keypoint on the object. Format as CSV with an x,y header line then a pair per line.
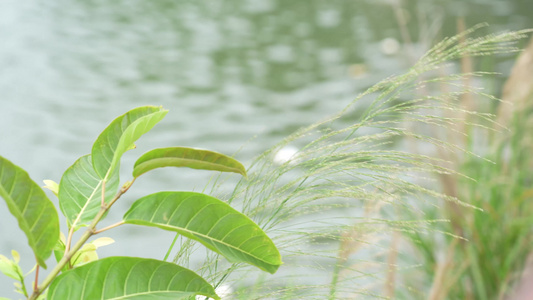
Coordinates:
x,y
414,191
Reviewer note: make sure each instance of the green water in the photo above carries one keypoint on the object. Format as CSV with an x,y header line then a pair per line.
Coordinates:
x,y
237,76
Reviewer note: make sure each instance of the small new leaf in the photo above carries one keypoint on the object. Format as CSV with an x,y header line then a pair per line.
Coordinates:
x,y
10,268
51,185
88,251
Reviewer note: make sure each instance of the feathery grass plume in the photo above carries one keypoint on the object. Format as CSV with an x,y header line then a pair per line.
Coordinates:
x,y
335,208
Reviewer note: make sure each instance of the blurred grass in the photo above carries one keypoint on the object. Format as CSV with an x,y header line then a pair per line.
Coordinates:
x,y
489,262
338,209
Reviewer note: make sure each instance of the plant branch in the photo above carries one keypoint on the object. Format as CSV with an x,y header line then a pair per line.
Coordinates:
x,y
88,233
66,258
122,190
69,239
109,227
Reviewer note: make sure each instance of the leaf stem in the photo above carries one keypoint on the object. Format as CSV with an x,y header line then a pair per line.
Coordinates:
x,y
88,233
109,227
103,194
171,246
36,282
23,284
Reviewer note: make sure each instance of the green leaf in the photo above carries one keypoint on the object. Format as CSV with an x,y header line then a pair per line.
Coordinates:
x,y
103,241
88,252
36,215
16,256
59,248
10,268
51,185
210,221
80,192
129,278
186,157
120,136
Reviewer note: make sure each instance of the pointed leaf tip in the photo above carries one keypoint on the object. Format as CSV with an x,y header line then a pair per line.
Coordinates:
x,y
120,136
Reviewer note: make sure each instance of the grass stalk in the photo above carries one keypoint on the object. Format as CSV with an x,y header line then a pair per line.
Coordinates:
x,y
313,206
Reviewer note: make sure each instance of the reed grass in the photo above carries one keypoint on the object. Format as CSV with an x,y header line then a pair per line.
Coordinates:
x,y
497,239
339,209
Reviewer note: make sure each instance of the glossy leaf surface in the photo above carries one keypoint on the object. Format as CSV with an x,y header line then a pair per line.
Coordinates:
x,y
36,215
186,157
120,136
210,221
80,191
129,278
